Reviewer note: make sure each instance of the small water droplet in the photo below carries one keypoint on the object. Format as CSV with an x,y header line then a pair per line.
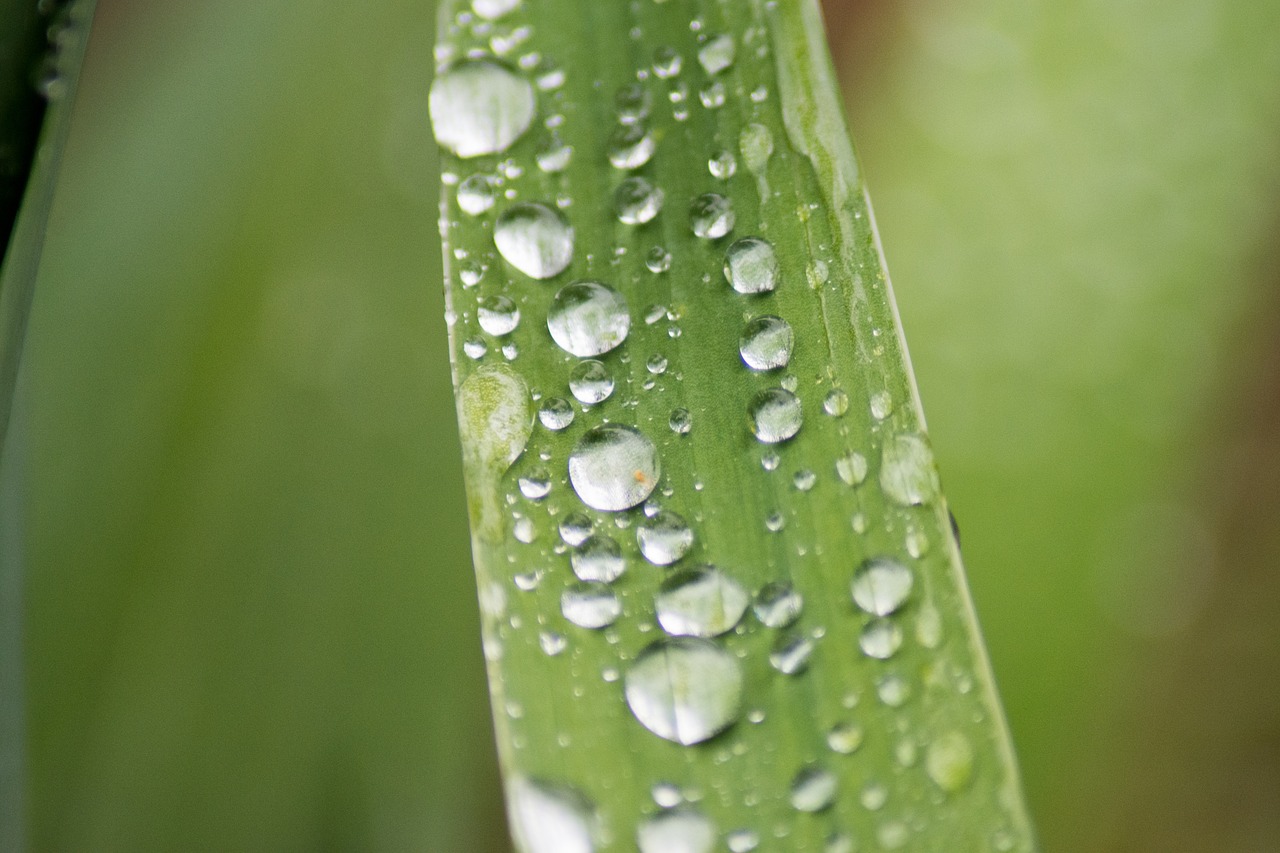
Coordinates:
x,y
497,315
701,602
591,382
845,738
893,691
556,413
774,521
552,644
475,348
759,94
881,586
637,201
535,485
905,752
475,194
534,239
929,627
598,558
778,604
666,63
813,789
836,403
711,216
949,761
657,364
874,796
769,460
664,538
893,835
852,468
524,531
713,96
804,479
553,155
658,260
775,415
613,467
756,144
633,103
479,106
751,265
880,639
666,794
742,840
723,165
685,689
590,605
491,10
528,581
588,318
881,405
681,421
907,472
840,842
574,529
549,818
630,147
766,343
790,653
818,274
682,829
717,54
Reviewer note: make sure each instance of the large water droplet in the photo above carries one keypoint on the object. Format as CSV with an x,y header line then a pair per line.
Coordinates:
x,y
949,761
598,559
637,201
778,605
766,343
880,639
751,266
588,318
556,413
590,605
613,467
497,315
881,586
547,818
630,147
664,538
591,382
907,473
711,216
717,54
534,239
775,415
535,485
479,107
682,829
685,689
813,789
701,602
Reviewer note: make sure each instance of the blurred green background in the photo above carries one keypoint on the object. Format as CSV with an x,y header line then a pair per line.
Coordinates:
x,y
251,614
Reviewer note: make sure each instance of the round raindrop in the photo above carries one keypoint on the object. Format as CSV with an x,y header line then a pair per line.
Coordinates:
x,y
775,415
588,318
667,63
633,103
701,602
574,529
637,201
742,840
682,829
591,382
590,605
881,586
880,639
534,239
598,558
553,155
491,10
907,472
475,194
717,54
548,818
658,260
556,413
852,468
766,343
497,315
778,605
535,485
949,761
685,689
711,216
613,467
664,538
813,789
479,107
845,738
751,266
723,165
630,147
681,421
790,653
836,403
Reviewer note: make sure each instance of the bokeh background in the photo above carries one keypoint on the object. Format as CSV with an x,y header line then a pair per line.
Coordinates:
x,y
251,617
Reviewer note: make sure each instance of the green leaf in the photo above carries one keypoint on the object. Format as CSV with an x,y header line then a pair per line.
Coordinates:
x,y
690,163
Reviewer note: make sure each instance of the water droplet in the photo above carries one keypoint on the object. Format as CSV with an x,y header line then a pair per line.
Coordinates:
x,y
590,605
588,318
666,63
859,522
893,691
534,239
881,586
598,558
475,194
716,54
491,10
682,829
775,415
774,521
524,531
548,818
630,146
556,413
836,403
756,144
475,348
637,201
790,653
553,155
840,842
497,315
613,467
766,343
880,639
769,460
723,165
929,627
907,473
574,529
760,94
905,752
874,796
666,794
685,689
552,644
658,260
804,479
633,103
664,538
949,761
751,266
813,789
711,216
479,107
701,602
845,738
657,364
713,97
893,835
881,405
742,840
535,485
591,382
778,605
852,468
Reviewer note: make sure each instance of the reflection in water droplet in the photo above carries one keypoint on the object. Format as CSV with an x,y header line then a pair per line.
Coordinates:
x,y
547,818
535,485
716,54
907,473
574,529
804,479
658,260
775,415
766,343
681,421
613,467
836,403
534,239
881,586
553,155
588,318
479,107
790,653
630,147
666,63
556,413
751,266
742,840
657,364
598,559
685,689
880,639
475,348
590,605
552,644
845,738
723,165
852,468
778,605
949,761
475,194
713,96
591,382
682,829
497,315
701,602
840,842
664,538
633,103
711,216
491,10
813,789
637,201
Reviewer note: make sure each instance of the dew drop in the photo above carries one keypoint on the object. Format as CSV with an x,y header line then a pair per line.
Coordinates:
x,y
751,266
769,460
475,348
881,586
475,194
874,796
756,144
893,835
551,643
775,415
836,403
804,479
666,794
845,738
742,840
637,201
685,689
556,413
658,260
664,538
774,521
839,842
656,364
591,382
598,558
590,605
633,103
613,467
790,653
630,147
893,691
534,239
470,273
852,468
766,343
723,165
716,54
907,472
682,829
666,63
949,761
497,315
549,818
881,405
711,216
681,421
479,107
524,531
574,529
553,155
880,639
713,97
813,789
701,602
491,10
778,604
588,318
535,485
